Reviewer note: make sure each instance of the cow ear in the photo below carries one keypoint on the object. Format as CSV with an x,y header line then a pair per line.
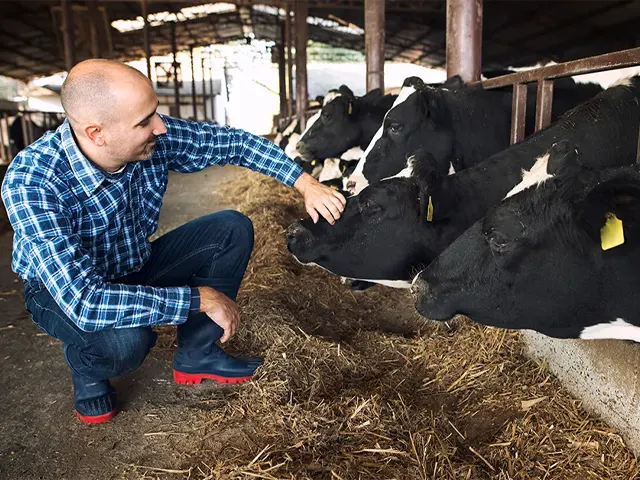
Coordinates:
x,y
454,82
346,91
415,82
425,169
564,157
373,94
609,208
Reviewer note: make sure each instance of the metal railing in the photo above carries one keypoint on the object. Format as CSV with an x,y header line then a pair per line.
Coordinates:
x,y
545,76
14,137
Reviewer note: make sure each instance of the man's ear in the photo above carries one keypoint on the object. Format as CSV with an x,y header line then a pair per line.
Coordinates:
x,y
95,134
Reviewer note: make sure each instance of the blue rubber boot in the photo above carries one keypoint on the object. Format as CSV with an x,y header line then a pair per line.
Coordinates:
x,y
199,358
94,400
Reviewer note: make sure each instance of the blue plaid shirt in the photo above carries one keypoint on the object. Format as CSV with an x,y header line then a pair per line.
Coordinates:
x,y
77,227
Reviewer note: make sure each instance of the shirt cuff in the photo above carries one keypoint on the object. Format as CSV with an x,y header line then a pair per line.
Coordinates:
x,y
194,307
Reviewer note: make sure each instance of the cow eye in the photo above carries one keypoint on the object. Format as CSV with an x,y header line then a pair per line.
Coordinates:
x,y
326,115
498,242
369,207
395,127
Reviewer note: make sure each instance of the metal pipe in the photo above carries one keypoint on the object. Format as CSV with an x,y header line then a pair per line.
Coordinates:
x,y
193,85
204,89
4,147
302,35
147,43
213,97
608,61
544,103
287,42
374,28
176,86
282,70
518,113
464,39
68,34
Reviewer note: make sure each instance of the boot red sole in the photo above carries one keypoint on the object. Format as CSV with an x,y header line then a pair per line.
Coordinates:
x,y
196,378
95,419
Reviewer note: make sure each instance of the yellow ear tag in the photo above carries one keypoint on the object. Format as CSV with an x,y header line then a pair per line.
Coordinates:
x,y
333,186
430,210
611,233
343,169
350,108
313,162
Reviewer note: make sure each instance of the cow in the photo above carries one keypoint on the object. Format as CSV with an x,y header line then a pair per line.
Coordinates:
x,y
396,227
560,256
345,121
459,125
38,123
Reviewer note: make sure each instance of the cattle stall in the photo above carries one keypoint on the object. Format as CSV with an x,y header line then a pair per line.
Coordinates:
x,y
19,128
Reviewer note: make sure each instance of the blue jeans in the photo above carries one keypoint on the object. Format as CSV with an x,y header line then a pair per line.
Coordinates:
x,y
210,251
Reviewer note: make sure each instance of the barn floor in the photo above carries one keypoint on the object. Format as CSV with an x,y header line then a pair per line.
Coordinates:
x,y
355,386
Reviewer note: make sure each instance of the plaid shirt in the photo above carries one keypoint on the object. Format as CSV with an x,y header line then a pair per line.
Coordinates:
x,y
77,227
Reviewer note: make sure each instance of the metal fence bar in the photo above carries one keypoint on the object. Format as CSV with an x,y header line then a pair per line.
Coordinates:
x,y
544,103
518,112
600,63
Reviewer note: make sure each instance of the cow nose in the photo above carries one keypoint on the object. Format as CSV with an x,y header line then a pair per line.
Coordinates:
x,y
351,186
294,230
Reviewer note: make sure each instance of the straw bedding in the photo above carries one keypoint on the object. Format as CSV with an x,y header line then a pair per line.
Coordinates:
x,y
358,386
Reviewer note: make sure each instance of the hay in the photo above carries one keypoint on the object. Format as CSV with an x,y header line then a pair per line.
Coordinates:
x,y
356,385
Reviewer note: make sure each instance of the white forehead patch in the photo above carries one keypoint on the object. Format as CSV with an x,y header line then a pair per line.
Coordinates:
x,y
537,175
357,176
618,329
330,97
310,123
621,82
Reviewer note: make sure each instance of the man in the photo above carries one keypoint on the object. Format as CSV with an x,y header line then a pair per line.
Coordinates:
x,y
83,201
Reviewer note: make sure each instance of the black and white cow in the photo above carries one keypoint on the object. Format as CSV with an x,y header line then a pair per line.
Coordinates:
x,y
459,126
346,121
396,227
561,258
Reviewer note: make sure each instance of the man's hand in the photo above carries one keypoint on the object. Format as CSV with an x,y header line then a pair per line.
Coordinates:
x,y
320,199
221,309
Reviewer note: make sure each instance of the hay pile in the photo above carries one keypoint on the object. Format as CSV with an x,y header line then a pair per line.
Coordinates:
x,y
357,386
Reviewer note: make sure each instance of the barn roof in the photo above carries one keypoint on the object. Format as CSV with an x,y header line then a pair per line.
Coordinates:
x,y
515,32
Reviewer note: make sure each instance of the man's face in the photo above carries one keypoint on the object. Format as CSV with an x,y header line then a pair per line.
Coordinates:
x,y
135,126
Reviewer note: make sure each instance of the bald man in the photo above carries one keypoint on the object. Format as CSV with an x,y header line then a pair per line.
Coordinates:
x,y
83,202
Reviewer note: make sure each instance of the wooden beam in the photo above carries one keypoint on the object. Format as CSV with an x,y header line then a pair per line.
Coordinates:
x,y
374,28
464,39
193,85
301,36
144,6
68,34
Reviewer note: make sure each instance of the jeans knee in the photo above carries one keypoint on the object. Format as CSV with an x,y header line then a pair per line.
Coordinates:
x,y
131,348
240,226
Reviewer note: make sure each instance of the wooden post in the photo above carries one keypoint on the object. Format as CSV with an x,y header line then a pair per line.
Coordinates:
x,y
464,39
193,85
68,34
147,43
374,34
282,71
176,86
287,42
302,35
204,88
213,97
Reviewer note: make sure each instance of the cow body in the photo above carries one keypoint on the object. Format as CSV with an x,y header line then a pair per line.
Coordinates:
x,y
540,260
459,126
396,227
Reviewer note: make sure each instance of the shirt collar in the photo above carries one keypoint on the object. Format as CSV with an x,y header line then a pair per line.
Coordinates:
x,y
86,172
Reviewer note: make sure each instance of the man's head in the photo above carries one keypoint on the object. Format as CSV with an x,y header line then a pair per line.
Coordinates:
x,y
112,110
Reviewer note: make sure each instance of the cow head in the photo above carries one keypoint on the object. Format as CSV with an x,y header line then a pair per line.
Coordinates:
x,y
542,259
385,233
337,129
417,120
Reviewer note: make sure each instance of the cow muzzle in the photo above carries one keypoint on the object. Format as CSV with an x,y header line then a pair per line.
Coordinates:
x,y
298,238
